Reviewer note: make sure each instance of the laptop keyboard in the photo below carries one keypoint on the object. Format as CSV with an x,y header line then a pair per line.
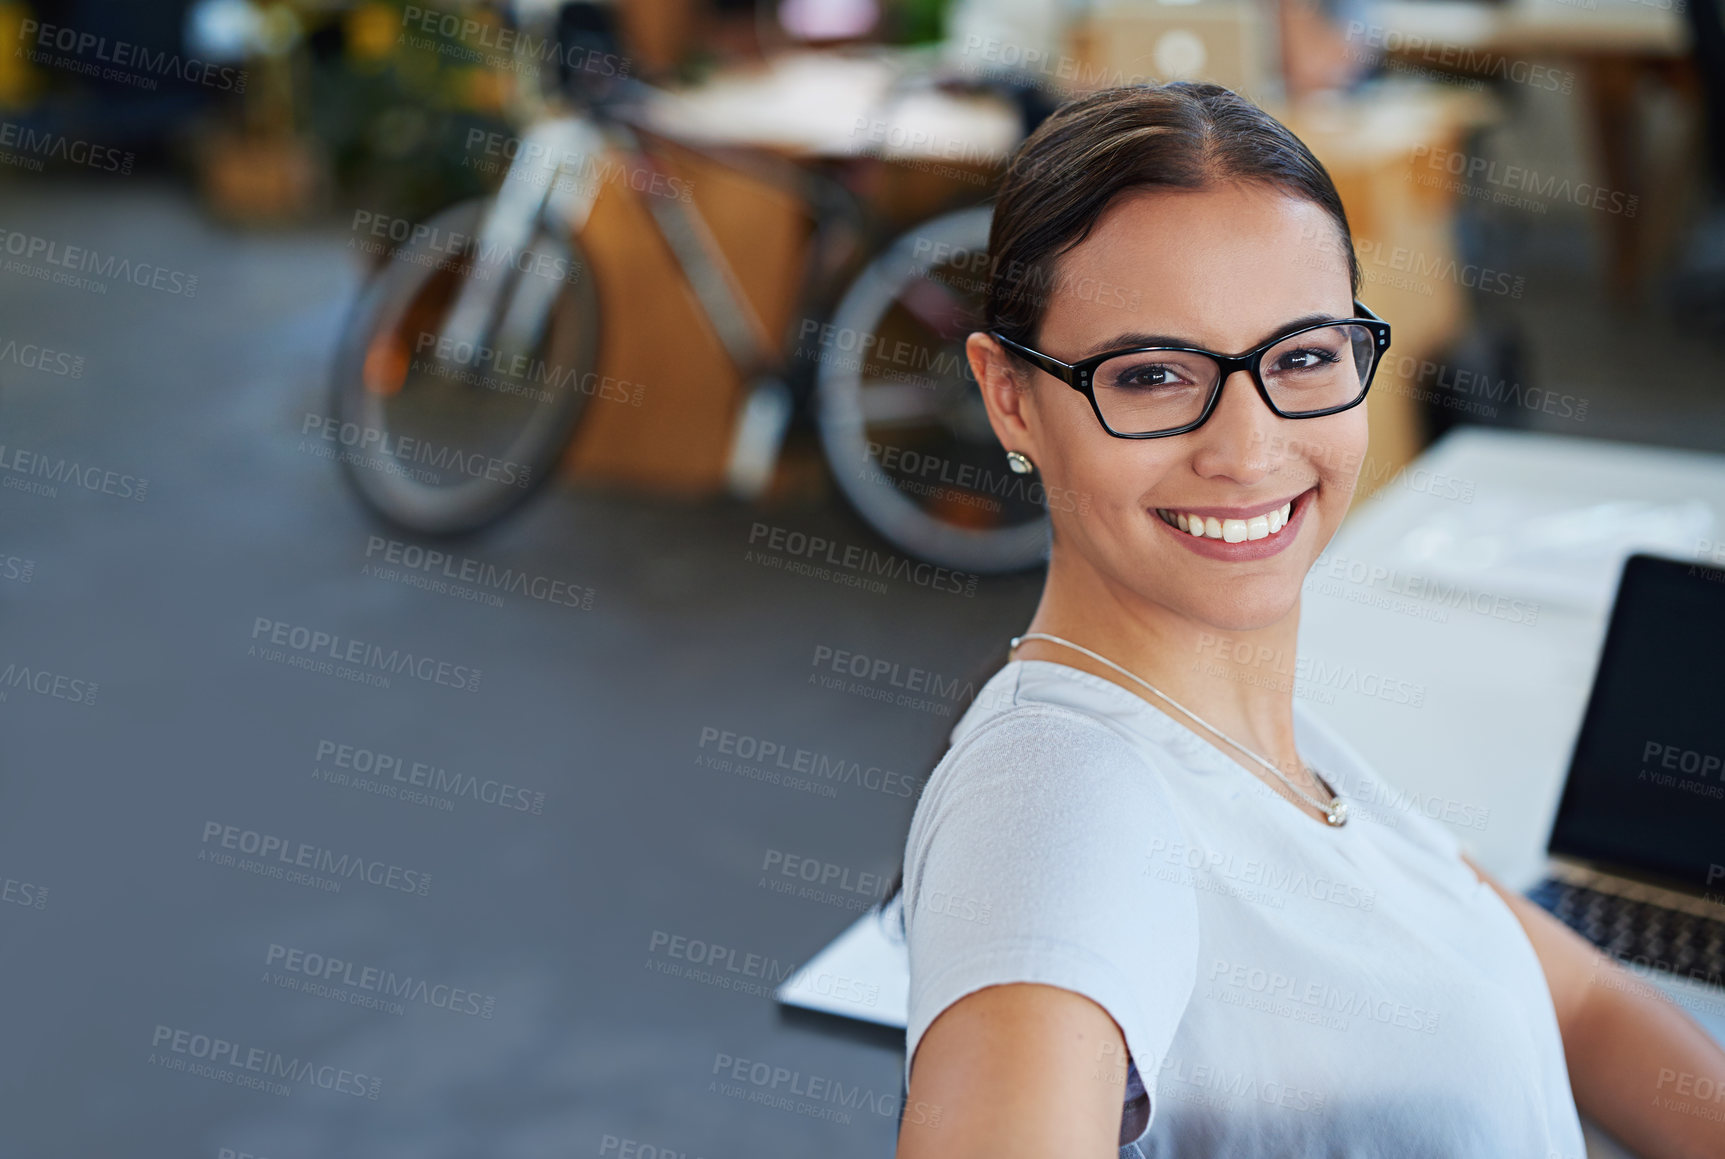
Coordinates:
x,y
1639,931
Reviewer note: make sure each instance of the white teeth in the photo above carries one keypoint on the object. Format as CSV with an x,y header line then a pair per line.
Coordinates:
x,y
1230,530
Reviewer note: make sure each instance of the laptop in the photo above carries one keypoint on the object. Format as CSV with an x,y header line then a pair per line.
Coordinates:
x,y
1638,844
1121,42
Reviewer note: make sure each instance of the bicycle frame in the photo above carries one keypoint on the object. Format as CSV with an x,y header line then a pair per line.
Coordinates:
x,y
525,199
545,184
554,180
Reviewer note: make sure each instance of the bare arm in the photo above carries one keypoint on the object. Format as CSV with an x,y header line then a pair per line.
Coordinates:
x,y
1020,1071
1639,1065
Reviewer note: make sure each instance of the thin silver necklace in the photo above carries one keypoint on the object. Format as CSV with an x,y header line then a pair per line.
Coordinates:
x,y
1336,812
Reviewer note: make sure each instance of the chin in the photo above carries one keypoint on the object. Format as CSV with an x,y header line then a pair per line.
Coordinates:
x,y
1247,614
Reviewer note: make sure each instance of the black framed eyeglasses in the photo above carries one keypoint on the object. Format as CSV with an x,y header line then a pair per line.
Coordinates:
x,y
1150,392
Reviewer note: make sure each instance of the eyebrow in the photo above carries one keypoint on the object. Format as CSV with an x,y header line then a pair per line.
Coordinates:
x,y
1137,338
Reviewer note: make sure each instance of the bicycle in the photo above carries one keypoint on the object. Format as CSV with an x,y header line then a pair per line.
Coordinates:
x,y
498,282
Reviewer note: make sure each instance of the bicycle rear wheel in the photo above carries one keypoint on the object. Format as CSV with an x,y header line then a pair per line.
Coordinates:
x,y
901,417
443,437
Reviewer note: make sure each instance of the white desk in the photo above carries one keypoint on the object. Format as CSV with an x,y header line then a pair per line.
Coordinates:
x,y
848,103
1501,700
1536,27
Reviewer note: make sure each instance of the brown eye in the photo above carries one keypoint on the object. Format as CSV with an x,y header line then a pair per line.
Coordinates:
x,y
1306,358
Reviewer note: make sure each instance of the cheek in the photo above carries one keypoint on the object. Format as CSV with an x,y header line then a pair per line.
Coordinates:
x,y
1338,449
1085,460
1117,477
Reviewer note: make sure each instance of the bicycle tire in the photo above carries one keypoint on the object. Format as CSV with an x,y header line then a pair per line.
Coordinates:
x,y
945,532
545,396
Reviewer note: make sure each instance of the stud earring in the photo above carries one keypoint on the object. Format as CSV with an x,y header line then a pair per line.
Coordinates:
x,y
1019,462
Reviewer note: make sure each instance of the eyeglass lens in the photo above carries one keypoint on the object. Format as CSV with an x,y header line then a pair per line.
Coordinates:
x,y
1158,390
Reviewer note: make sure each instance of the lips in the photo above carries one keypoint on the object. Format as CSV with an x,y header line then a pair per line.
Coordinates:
x,y
1229,530
1238,534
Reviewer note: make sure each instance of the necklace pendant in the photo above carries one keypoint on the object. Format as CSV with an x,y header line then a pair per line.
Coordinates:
x,y
1338,814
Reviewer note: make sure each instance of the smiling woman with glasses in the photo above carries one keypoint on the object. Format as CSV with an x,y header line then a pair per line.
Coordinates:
x,y
1154,906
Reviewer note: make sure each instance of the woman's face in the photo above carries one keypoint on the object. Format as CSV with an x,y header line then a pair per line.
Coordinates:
x,y
1223,269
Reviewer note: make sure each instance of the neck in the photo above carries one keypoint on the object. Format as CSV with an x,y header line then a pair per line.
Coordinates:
x,y
1239,680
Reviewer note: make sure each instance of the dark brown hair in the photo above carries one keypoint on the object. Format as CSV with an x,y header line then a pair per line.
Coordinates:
x,y
1061,178
1183,135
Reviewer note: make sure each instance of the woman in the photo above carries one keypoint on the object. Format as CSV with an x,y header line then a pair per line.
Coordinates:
x,y
1140,918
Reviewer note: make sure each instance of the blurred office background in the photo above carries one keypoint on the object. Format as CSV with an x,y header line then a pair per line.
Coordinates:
x,y
631,774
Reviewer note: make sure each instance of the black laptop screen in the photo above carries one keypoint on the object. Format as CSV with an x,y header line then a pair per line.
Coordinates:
x,y
1646,788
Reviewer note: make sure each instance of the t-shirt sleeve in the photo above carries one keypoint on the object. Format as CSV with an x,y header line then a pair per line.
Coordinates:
x,y
1028,861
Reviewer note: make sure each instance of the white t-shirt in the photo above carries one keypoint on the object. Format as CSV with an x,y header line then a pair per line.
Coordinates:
x,y
1284,987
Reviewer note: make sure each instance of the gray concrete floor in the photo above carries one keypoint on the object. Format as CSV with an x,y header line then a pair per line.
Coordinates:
x,y
552,915
557,917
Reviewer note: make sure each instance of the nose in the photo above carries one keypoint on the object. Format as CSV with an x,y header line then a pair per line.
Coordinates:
x,y
1234,442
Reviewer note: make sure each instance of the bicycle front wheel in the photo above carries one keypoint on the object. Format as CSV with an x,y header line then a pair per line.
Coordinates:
x,y
902,418
443,434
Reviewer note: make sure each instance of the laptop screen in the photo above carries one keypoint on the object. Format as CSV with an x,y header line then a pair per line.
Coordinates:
x,y
1646,788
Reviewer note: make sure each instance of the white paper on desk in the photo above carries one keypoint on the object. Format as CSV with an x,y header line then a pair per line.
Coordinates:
x,y
1549,549
805,100
873,956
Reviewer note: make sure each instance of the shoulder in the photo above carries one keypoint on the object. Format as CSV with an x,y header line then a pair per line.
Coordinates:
x,y
1046,810
1034,763
1042,727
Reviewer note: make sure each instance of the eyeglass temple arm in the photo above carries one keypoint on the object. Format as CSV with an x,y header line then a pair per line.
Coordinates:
x,y
1041,361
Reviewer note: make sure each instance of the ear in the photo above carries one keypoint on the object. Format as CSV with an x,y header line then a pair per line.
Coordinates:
x,y
1006,392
